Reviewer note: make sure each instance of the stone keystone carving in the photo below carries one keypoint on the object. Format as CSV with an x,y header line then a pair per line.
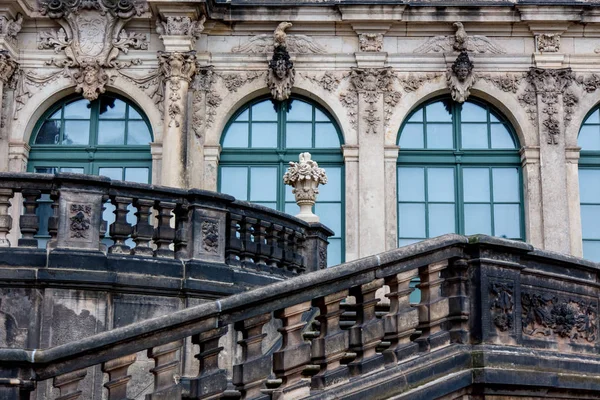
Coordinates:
x,y
91,37
282,74
459,42
460,77
305,177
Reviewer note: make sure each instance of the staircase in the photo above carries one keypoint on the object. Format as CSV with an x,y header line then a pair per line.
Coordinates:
x,y
497,319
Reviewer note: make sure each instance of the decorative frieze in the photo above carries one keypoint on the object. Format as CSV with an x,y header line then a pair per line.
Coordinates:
x,y
265,44
460,78
460,42
509,83
412,82
281,75
547,43
234,81
370,42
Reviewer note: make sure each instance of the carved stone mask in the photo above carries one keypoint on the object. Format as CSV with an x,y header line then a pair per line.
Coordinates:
x,y
462,67
281,69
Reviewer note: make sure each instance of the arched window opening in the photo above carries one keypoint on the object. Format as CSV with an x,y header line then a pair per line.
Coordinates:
x,y
261,139
589,184
458,172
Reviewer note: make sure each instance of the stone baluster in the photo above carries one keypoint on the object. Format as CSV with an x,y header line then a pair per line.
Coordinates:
x,y
120,230
53,220
456,279
368,331
250,375
5,217
262,242
288,249
211,381
181,231
332,344
67,385
294,355
29,221
166,368
164,234
143,230
234,243
118,377
249,241
276,240
433,308
402,320
299,251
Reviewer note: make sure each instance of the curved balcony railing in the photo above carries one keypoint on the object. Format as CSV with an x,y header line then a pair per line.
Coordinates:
x,y
130,221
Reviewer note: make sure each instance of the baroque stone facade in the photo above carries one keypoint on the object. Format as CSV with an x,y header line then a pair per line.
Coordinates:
x,y
189,68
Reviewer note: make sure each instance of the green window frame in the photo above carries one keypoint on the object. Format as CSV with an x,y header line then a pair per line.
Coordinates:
x,y
258,143
458,171
589,184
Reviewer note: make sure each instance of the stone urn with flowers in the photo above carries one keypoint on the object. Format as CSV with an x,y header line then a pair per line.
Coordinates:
x,y
305,177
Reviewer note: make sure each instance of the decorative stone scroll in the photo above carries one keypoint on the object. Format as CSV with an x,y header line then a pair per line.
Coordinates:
x,y
460,42
305,177
91,38
282,74
460,78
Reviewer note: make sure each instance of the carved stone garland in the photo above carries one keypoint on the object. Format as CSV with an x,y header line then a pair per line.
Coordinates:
x,y
91,37
8,67
460,78
205,101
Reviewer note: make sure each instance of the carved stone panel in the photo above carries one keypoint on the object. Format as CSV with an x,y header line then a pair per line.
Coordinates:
x,y
79,220
208,235
502,305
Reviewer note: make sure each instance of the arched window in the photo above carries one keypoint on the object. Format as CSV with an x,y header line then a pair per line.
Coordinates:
x,y
589,184
109,136
458,172
261,139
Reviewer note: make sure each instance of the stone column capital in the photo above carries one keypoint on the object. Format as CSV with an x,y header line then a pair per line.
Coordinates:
x,y
547,81
180,30
177,65
371,81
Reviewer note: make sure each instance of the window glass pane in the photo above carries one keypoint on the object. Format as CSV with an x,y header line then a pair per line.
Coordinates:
x,y
264,135
334,252
406,242
506,184
412,137
111,108
57,114
133,114
476,185
591,250
473,113
49,133
264,111
320,115
111,132
79,109
594,118
139,175
478,219
263,183
72,170
236,135
474,136
332,191
439,136
76,133
112,173
493,118
507,221
234,181
589,185
590,221
330,215
138,133
292,208
297,135
45,170
439,112
299,111
417,116
326,136
501,138
411,184
289,196
589,137
243,116
441,219
411,220
440,184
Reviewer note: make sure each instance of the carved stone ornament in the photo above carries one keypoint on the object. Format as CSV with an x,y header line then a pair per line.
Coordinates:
x,y
177,65
502,305
559,319
371,82
370,42
460,78
10,28
80,220
412,82
459,42
206,100
547,43
235,81
91,36
180,26
8,66
210,236
549,86
507,83
328,81
282,74
305,177
91,80
265,43
590,83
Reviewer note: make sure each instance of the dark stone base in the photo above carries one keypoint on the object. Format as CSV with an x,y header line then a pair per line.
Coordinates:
x,y
432,342
400,353
335,377
364,367
207,385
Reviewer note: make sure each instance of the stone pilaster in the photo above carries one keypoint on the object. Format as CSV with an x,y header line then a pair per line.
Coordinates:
x,y
549,86
352,201
8,66
177,69
370,84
